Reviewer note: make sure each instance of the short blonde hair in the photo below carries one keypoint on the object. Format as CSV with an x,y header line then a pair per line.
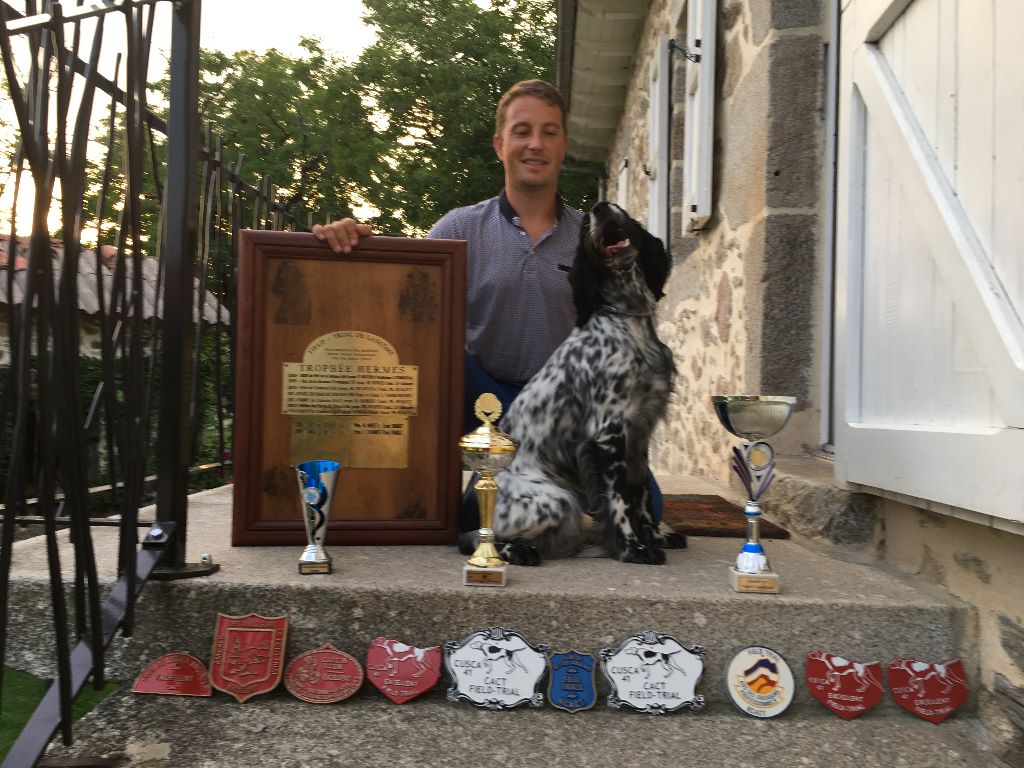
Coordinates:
x,y
537,88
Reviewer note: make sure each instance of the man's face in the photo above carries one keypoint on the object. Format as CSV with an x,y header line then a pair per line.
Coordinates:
x,y
532,143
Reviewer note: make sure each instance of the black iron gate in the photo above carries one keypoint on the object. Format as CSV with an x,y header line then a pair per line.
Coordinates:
x,y
156,283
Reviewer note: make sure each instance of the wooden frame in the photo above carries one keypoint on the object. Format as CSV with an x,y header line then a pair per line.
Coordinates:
x,y
406,295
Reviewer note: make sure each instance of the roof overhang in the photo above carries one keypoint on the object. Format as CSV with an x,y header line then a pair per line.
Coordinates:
x,y
596,45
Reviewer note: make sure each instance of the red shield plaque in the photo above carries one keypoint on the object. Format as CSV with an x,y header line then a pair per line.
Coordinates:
x,y
847,688
402,672
248,654
323,676
930,691
175,674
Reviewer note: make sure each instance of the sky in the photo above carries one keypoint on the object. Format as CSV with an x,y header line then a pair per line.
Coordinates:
x,y
232,25
259,25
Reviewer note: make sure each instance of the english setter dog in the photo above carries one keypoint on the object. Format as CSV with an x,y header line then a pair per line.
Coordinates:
x,y
584,421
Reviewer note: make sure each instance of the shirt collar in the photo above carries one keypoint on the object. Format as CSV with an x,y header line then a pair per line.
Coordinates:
x,y
510,213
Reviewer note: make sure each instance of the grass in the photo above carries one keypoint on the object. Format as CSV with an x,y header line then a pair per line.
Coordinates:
x,y
23,692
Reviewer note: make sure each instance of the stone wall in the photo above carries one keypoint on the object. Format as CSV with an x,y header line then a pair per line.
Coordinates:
x,y
742,311
980,565
90,341
745,311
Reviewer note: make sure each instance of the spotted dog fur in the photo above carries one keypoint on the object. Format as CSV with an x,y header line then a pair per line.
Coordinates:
x,y
584,421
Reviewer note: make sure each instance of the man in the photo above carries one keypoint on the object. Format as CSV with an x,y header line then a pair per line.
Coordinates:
x,y
520,246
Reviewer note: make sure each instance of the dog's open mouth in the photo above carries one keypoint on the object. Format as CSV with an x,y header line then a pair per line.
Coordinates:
x,y
611,250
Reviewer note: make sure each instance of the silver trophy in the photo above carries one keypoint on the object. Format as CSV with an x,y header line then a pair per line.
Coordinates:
x,y
316,489
754,418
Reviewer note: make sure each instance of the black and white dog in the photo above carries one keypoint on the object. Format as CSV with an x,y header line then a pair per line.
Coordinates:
x,y
584,421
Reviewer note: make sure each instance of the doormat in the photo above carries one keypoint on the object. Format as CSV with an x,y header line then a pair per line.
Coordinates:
x,y
696,515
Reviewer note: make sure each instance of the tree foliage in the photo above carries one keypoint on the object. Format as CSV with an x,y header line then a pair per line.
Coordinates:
x,y
405,129
298,120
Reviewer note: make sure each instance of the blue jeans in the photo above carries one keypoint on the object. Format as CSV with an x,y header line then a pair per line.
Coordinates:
x,y
478,381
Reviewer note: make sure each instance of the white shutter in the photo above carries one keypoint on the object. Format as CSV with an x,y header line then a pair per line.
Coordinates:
x,y
930,281
699,125
657,129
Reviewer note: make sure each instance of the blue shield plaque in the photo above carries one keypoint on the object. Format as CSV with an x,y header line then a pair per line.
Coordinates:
x,y
571,684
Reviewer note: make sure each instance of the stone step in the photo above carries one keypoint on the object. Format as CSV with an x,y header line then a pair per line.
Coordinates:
x,y
414,594
277,731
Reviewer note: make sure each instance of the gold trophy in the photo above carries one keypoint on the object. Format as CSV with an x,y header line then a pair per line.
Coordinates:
x,y
486,450
754,418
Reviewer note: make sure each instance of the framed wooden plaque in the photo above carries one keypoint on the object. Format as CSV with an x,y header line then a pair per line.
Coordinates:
x,y
356,358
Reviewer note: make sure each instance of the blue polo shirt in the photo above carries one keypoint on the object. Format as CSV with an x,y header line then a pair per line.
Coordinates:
x,y
519,303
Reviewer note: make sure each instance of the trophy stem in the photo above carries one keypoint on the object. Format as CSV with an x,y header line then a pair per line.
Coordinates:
x,y
752,572
486,554
752,558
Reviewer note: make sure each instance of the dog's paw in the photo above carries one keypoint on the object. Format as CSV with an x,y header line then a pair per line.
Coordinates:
x,y
644,555
519,553
673,540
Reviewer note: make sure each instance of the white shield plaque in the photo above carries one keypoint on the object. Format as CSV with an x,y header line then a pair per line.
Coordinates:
x,y
653,672
496,668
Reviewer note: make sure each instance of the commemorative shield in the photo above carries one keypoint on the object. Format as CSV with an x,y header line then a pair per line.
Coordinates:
x,y
847,688
248,654
323,676
653,672
571,684
496,668
174,674
931,691
402,672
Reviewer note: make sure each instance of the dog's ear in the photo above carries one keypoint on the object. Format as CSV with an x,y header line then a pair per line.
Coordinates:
x,y
654,260
585,277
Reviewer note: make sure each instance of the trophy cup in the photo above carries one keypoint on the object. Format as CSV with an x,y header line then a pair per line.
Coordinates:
x,y
753,418
316,489
486,450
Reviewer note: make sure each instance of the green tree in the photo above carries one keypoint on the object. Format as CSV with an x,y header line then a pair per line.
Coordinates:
x,y
299,120
434,76
406,129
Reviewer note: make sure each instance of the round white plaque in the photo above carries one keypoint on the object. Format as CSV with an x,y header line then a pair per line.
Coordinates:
x,y
760,682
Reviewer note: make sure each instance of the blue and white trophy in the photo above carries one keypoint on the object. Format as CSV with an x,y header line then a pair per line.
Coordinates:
x,y
316,489
753,418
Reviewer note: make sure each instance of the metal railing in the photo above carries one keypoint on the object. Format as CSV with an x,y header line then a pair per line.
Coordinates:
x,y
162,274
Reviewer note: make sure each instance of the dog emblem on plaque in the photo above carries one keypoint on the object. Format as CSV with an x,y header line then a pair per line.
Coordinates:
x,y
174,674
931,691
571,684
402,672
496,668
248,654
847,688
653,672
759,682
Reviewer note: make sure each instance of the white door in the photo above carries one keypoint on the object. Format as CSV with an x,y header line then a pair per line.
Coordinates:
x,y
930,252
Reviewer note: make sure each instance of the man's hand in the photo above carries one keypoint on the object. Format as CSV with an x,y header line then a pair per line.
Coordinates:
x,y
342,235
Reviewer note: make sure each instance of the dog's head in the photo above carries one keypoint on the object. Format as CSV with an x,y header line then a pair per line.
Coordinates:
x,y
618,264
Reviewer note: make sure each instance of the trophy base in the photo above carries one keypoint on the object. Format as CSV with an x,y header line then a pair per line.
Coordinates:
x,y
765,582
306,569
482,577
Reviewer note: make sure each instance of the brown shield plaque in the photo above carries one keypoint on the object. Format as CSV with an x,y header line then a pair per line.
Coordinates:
x,y
248,654
355,358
